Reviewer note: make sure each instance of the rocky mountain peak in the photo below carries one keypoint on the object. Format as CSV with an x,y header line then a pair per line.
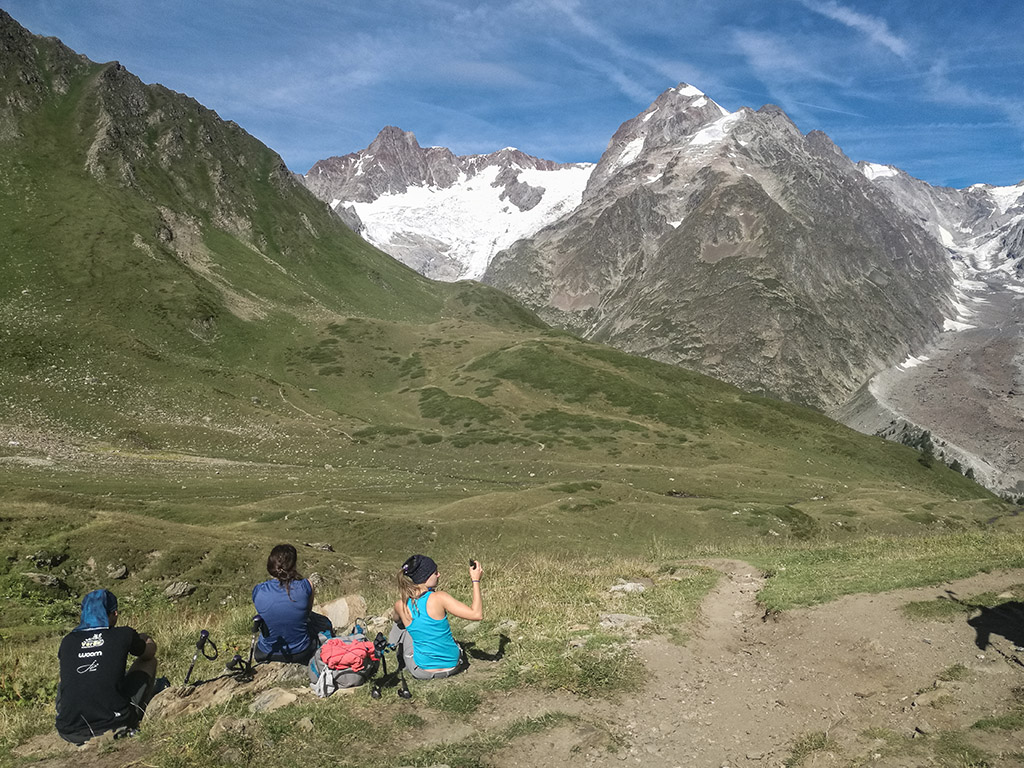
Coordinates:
x,y
671,121
725,241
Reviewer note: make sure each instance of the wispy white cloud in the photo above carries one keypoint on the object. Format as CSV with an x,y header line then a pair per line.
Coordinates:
x,y
779,60
943,89
620,56
876,29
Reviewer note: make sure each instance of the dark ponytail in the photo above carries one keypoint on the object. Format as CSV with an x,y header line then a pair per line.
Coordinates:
x,y
281,565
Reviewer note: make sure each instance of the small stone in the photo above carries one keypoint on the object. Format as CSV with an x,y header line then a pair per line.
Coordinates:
x,y
305,725
321,546
628,588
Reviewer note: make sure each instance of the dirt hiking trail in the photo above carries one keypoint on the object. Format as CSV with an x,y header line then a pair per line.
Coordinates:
x,y
746,689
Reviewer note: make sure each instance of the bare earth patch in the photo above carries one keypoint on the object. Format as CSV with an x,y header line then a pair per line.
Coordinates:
x,y
857,674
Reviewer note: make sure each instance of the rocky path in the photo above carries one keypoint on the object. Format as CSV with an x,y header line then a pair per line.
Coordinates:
x,y
747,690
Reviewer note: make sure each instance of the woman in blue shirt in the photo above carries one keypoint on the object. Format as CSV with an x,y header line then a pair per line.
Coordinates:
x,y
422,614
285,603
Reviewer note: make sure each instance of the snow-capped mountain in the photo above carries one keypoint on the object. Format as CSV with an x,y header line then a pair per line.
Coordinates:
x,y
734,244
445,215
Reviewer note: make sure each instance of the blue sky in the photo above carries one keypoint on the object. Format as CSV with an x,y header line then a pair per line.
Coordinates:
x,y
933,87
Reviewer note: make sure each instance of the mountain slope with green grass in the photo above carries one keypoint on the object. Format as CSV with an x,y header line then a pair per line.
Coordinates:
x,y
198,361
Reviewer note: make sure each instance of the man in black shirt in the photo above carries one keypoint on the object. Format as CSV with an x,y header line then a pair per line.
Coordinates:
x,y
95,692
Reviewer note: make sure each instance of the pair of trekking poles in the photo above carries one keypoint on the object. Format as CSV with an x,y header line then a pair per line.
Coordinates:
x,y
245,670
381,647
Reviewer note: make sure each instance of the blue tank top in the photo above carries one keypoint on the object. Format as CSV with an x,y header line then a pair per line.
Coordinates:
x,y
286,615
433,646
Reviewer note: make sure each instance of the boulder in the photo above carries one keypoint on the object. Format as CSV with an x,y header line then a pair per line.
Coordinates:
x,y
178,590
45,580
117,572
343,611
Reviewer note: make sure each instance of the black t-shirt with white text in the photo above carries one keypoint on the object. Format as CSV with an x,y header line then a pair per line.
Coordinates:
x,y
90,699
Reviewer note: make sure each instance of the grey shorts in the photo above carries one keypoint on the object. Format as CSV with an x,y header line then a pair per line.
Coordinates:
x,y
403,640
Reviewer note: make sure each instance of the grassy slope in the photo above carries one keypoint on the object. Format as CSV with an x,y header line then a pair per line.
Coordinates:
x,y
180,405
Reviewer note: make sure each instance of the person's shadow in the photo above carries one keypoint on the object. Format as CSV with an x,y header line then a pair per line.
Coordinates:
x,y
1006,620
476,653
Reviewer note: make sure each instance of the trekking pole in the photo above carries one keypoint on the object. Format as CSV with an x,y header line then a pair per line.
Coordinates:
x,y
204,640
245,666
380,645
403,688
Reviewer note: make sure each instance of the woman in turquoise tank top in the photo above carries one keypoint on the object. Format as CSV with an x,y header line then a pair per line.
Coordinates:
x,y
422,618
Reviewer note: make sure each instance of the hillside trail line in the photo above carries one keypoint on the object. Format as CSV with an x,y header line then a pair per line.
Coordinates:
x,y
746,687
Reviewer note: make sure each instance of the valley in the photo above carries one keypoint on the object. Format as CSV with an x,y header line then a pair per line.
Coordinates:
x,y
964,388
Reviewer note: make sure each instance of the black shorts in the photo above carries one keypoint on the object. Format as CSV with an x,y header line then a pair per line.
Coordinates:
x,y
136,685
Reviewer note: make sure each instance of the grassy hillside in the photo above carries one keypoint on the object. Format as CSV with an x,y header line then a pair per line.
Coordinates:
x,y
198,361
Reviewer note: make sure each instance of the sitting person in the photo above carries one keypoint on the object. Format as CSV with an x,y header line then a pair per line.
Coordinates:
x,y
285,603
422,627
95,693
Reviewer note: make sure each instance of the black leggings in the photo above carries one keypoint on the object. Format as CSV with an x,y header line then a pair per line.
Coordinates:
x,y
315,624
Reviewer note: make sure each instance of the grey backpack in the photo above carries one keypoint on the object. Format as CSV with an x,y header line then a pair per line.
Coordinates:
x,y
353,663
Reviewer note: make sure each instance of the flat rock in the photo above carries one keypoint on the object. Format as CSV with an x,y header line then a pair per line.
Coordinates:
x,y
243,726
273,699
44,580
625,623
929,698
628,587
187,699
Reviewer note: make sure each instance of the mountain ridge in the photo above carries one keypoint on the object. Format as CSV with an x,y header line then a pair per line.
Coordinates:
x,y
442,214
